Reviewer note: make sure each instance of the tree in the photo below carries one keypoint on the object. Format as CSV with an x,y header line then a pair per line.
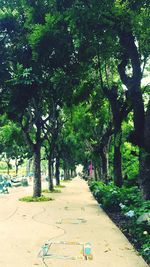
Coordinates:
x,y
28,82
116,28
12,144
62,53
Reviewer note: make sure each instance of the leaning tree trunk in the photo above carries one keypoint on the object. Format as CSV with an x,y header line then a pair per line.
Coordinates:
x,y
144,176
57,170
37,171
118,180
50,176
141,134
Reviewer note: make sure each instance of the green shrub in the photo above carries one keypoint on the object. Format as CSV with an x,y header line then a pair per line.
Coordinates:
x,y
145,251
138,226
129,202
111,196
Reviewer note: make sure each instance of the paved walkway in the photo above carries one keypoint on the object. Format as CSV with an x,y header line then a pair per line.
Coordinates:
x,y
74,216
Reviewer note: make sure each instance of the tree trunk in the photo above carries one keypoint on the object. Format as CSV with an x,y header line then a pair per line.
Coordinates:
x,y
71,173
16,165
28,167
119,111
104,158
104,166
144,176
8,168
141,134
95,173
65,174
57,170
37,171
133,84
118,180
50,176
99,170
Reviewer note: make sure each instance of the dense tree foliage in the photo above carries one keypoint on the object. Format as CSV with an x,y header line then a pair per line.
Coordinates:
x,y
71,78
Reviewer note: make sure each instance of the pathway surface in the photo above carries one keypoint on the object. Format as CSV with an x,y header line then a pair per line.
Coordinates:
x,y
74,216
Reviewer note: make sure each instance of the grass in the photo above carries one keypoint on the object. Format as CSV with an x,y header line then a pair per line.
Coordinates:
x,y
60,186
66,180
53,191
35,199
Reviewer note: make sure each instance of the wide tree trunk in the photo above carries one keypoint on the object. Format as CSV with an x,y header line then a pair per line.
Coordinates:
x,y
141,134
50,176
37,171
138,118
118,180
144,176
57,170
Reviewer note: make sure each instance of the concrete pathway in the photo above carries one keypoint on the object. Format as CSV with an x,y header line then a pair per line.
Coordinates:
x,y
74,216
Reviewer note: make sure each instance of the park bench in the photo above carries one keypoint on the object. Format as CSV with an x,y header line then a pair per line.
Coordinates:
x,y
3,188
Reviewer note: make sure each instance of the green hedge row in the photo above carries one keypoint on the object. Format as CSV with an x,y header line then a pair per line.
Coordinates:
x,y
128,202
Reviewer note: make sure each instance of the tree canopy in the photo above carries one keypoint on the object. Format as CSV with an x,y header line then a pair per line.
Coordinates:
x,y
71,81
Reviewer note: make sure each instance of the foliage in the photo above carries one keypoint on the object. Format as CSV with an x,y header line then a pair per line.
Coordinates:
x,y
70,78
12,145
130,155
62,57
111,196
139,229
127,201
